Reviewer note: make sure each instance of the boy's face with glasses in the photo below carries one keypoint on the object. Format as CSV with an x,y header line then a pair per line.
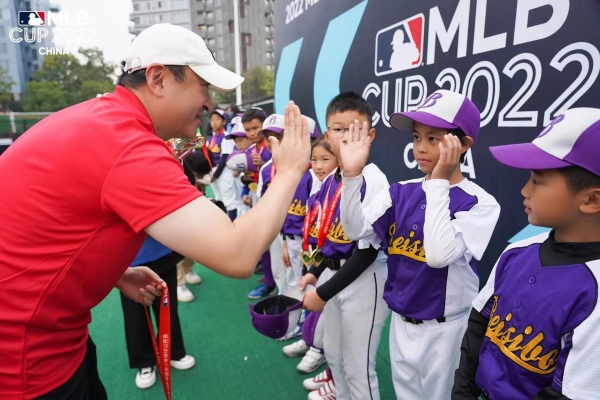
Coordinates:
x,y
339,123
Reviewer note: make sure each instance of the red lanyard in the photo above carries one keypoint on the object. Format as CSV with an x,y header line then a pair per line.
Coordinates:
x,y
262,148
272,172
328,212
213,141
163,359
309,221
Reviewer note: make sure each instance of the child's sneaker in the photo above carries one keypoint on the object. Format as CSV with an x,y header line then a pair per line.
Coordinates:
x,y
326,392
193,278
311,361
261,291
296,349
145,378
317,382
186,362
184,294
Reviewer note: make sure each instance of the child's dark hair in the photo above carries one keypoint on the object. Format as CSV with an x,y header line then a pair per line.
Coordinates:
x,y
462,136
198,162
349,101
254,113
320,142
579,179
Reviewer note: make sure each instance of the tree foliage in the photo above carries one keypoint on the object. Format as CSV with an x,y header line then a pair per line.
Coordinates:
x,y
259,83
6,88
44,96
67,80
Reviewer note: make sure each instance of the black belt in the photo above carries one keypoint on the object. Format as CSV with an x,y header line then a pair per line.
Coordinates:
x,y
291,237
420,321
330,263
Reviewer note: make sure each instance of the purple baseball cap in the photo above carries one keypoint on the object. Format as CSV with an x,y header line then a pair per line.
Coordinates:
x,y
237,130
277,316
572,139
241,160
218,111
443,109
274,123
309,328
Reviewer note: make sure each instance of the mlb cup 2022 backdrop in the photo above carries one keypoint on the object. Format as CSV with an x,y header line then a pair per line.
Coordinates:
x,y
522,62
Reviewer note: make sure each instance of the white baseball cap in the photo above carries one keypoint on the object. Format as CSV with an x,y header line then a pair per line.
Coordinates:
x,y
312,127
237,131
442,109
571,139
167,44
274,123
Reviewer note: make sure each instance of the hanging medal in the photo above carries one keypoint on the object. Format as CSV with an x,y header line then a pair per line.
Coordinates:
x,y
326,220
309,221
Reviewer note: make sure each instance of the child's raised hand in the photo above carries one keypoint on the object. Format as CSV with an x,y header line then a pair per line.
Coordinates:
x,y
450,152
355,146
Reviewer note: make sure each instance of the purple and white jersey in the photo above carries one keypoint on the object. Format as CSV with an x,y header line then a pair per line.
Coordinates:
x,y
266,155
215,145
338,246
543,328
294,219
264,178
433,285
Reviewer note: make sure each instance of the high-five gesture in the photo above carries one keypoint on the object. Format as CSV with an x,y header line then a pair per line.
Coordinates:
x,y
293,153
450,152
355,146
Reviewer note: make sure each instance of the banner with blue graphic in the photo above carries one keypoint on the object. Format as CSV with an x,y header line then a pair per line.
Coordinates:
x,y
523,62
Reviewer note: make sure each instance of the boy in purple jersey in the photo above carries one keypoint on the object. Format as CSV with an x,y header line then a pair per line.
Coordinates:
x,y
533,332
323,163
292,227
275,277
284,278
350,274
222,178
433,228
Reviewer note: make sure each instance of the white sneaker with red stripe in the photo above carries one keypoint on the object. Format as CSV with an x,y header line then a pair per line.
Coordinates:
x,y
327,392
317,382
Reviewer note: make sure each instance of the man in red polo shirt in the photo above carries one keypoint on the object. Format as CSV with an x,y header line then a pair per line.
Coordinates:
x,y
82,188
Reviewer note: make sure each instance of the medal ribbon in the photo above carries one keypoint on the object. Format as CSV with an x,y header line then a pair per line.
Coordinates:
x,y
255,151
309,221
328,213
213,141
163,353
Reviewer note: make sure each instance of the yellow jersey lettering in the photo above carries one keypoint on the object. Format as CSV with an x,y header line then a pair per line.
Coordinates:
x,y
336,233
296,208
532,356
403,246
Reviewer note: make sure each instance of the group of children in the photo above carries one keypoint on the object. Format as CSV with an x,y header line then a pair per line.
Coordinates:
x,y
411,247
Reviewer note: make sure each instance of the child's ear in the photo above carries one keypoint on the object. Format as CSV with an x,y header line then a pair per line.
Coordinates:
x,y
592,202
372,134
467,145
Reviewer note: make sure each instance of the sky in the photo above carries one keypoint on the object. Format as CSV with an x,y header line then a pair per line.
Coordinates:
x,y
108,20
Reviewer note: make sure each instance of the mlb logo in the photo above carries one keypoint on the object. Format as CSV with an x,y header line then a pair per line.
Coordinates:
x,y
32,18
400,46
165,302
